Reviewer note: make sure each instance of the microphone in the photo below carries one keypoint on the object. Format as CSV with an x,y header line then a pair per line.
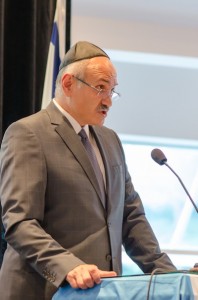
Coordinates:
x,y
159,157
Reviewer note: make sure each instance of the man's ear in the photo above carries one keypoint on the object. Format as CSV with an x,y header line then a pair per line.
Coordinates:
x,y
67,82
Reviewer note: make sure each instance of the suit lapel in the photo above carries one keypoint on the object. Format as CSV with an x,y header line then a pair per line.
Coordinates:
x,y
73,142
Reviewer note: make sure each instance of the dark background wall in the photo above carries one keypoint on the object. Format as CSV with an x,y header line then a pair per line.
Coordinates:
x,y
25,31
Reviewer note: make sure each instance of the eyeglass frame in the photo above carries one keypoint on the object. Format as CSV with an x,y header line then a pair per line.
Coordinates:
x,y
113,94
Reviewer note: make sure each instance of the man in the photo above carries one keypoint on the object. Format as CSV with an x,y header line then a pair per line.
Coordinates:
x,y
65,215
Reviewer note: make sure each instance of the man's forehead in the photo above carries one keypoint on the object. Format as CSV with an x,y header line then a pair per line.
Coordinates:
x,y
102,68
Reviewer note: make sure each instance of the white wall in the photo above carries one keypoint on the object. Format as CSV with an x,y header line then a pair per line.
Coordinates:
x,y
159,93
136,35
159,96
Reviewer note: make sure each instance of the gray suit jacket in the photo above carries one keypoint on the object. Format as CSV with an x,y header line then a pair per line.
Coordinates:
x,y
52,211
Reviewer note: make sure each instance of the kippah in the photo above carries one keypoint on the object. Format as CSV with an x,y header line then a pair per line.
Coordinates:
x,y
81,50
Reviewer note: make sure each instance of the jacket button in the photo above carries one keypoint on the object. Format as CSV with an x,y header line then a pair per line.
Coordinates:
x,y
108,257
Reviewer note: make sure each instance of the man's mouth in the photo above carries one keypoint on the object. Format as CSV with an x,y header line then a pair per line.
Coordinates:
x,y
104,112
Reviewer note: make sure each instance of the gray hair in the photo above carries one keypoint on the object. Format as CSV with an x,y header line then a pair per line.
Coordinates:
x,y
77,69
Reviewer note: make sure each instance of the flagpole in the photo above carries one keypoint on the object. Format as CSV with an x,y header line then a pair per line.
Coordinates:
x,y
68,25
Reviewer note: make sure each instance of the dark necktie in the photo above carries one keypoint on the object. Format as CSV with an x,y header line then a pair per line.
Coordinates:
x,y
94,162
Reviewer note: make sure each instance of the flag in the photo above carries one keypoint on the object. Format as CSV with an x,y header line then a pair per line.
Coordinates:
x,y
56,52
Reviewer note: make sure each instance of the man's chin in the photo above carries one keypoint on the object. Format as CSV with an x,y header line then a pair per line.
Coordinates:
x,y
98,122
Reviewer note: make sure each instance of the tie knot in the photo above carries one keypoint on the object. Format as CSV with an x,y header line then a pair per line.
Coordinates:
x,y
83,134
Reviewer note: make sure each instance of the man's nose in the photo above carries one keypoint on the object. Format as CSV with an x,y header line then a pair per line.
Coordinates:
x,y
107,101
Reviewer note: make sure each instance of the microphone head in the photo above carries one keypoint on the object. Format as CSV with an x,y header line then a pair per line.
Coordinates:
x,y
158,156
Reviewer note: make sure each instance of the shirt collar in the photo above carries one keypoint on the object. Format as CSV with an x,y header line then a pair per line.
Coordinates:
x,y
72,121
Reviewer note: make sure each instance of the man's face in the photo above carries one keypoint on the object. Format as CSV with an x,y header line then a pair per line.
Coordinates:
x,y
86,105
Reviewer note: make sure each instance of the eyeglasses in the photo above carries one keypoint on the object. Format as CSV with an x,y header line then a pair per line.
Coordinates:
x,y
103,93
